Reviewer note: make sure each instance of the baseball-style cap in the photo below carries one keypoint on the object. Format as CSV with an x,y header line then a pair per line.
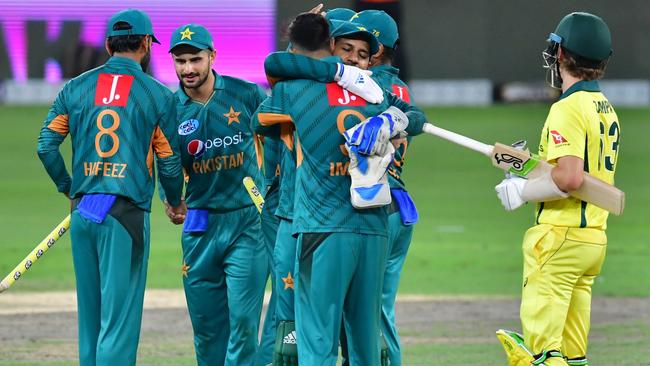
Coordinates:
x,y
380,24
194,35
339,14
341,28
139,23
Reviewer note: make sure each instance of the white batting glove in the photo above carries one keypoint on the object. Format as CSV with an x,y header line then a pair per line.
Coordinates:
x,y
359,82
509,192
369,187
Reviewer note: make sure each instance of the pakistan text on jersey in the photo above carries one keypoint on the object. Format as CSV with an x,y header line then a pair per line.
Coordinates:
x,y
106,169
217,163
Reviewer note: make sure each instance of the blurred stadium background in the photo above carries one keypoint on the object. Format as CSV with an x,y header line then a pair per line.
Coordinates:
x,y
473,65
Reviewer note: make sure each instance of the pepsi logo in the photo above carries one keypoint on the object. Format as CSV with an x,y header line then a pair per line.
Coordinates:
x,y
196,148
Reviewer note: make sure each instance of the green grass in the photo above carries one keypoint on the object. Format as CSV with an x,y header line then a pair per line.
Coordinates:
x,y
465,243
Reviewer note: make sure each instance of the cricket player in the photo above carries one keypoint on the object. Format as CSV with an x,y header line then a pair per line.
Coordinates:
x,y
225,260
565,250
119,119
340,250
270,224
403,212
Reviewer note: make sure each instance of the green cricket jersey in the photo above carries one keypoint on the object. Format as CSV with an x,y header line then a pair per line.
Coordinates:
x,y
321,113
272,151
283,135
286,65
218,146
388,78
118,119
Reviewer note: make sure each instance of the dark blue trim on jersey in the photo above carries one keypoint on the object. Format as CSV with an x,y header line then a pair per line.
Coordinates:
x,y
539,213
582,85
583,204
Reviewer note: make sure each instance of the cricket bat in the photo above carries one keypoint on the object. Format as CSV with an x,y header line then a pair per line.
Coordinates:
x,y
254,193
527,165
35,255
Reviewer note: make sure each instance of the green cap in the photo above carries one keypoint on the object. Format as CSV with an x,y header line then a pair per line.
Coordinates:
x,y
586,35
139,22
340,14
380,24
194,35
341,28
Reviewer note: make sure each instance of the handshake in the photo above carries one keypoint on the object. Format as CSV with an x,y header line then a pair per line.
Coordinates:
x,y
371,152
176,214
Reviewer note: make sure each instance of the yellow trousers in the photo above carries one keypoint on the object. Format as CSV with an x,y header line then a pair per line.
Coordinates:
x,y
560,265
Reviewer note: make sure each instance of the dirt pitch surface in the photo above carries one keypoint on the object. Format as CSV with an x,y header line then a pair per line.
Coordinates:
x,y
49,320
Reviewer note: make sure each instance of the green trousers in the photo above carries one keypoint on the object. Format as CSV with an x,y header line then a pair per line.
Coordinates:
x,y
284,258
224,280
339,277
269,231
399,240
110,263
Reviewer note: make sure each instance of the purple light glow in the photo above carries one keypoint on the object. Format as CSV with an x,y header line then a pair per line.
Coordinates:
x,y
243,30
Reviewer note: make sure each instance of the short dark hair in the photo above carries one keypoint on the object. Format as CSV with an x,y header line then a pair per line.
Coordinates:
x,y
581,67
128,43
310,32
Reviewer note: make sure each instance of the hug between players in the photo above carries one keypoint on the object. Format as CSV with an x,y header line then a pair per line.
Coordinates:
x,y
326,147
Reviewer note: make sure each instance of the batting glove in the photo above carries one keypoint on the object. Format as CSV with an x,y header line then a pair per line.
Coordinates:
x,y
359,82
509,192
372,136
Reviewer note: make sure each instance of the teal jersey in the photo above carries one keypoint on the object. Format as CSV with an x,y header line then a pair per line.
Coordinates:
x,y
119,119
272,151
388,78
321,113
283,135
218,146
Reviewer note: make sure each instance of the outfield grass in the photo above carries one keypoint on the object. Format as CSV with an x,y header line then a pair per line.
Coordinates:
x,y
465,243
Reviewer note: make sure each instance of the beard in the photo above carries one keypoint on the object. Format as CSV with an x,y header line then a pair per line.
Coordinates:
x,y
144,63
201,79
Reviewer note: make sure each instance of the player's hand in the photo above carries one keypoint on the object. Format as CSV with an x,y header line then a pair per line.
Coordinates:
x,y
359,82
371,137
176,214
509,192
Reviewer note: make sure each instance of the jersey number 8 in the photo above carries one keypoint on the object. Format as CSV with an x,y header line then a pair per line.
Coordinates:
x,y
110,132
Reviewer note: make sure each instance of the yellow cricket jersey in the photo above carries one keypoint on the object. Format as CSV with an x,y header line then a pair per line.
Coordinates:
x,y
584,124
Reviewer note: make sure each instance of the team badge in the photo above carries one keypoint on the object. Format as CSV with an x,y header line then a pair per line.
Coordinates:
x,y
232,115
338,96
196,148
187,127
288,281
113,89
558,138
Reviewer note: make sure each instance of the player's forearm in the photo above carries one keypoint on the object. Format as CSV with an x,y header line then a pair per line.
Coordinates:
x,y
417,119
170,176
568,173
286,65
48,152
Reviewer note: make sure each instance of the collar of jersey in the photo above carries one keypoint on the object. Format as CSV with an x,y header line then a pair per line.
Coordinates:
x,y
332,59
582,85
385,68
218,84
123,61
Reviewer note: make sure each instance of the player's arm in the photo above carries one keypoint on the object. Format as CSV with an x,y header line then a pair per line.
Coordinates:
x,y
53,133
166,147
416,118
270,119
286,65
